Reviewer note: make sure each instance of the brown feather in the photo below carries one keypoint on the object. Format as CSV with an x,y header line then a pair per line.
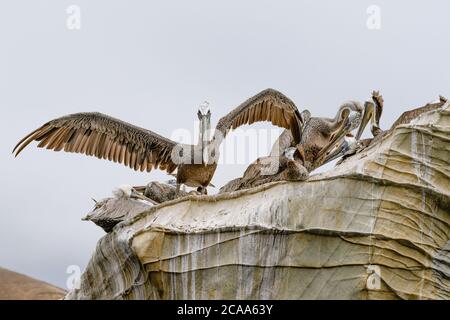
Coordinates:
x,y
102,136
265,106
78,139
106,152
45,139
95,141
100,152
29,138
90,145
133,163
117,148
85,142
63,140
55,136
122,153
127,156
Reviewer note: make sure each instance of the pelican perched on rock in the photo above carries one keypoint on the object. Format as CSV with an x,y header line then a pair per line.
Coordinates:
x,y
320,135
125,204
99,135
372,113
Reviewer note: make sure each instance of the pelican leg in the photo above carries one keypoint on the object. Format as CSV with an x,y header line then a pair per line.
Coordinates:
x,y
177,191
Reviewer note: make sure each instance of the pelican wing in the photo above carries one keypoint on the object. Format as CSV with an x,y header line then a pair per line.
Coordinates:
x,y
99,135
378,99
410,115
268,105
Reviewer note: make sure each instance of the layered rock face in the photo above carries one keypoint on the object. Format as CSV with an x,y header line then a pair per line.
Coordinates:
x,y
375,227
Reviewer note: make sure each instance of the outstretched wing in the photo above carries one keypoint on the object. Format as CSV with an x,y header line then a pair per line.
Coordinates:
x,y
378,99
99,135
268,105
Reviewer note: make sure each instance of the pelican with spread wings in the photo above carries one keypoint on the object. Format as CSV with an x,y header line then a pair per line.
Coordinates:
x,y
104,137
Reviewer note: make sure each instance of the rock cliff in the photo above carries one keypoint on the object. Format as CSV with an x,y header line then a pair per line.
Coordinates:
x,y
375,227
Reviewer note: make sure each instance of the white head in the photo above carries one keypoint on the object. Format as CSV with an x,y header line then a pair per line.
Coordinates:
x,y
203,109
353,111
128,192
123,191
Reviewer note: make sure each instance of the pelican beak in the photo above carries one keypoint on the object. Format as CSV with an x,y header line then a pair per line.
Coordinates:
x,y
369,113
205,127
137,195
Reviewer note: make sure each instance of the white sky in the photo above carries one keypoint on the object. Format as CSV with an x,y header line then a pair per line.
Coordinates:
x,y
153,63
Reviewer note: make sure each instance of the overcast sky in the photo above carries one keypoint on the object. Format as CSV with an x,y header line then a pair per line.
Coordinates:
x,y
152,63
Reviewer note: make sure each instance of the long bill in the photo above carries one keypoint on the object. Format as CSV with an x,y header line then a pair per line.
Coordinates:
x,y
369,113
205,128
333,143
137,195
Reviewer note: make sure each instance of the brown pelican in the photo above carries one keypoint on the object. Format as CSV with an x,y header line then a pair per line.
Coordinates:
x,y
320,135
282,168
99,135
372,112
125,204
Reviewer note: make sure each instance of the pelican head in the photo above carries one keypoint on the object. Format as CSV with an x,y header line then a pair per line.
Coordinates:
x,y
351,110
128,192
123,191
203,110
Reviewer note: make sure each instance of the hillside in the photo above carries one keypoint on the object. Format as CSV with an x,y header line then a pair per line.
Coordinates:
x,y
16,286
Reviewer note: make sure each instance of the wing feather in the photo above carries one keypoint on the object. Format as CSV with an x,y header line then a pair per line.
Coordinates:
x,y
268,105
96,134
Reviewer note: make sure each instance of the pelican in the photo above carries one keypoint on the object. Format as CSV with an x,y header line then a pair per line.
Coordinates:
x,y
125,204
372,113
102,136
374,110
281,168
320,135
